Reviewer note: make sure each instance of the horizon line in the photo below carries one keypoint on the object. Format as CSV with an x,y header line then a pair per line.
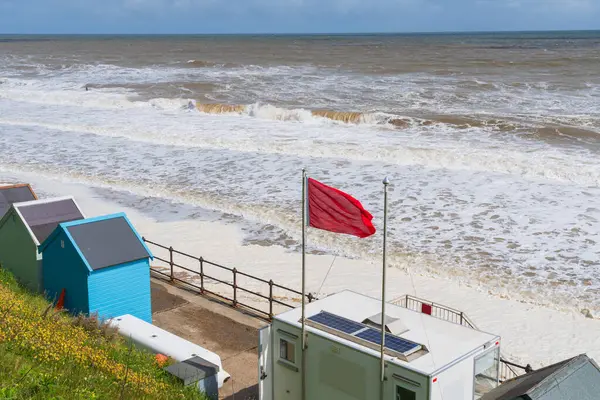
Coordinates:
x,y
302,33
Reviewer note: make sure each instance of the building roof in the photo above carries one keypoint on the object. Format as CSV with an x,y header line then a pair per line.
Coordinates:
x,y
534,385
41,217
104,241
10,194
192,370
445,341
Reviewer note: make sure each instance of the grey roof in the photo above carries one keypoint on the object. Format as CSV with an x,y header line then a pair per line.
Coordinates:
x,y
577,378
43,217
107,242
14,194
192,370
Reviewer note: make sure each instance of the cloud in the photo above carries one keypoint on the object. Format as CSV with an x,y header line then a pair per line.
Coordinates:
x,y
552,6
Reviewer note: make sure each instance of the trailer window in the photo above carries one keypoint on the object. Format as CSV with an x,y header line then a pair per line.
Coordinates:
x,y
486,372
287,351
405,394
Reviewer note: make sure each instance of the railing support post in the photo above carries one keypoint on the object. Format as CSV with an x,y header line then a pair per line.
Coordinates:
x,y
201,259
234,287
271,299
461,317
171,261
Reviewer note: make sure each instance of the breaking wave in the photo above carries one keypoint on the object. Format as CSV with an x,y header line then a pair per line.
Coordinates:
x,y
209,64
268,111
543,130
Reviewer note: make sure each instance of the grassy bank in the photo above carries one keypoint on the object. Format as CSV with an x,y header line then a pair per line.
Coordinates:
x,y
50,355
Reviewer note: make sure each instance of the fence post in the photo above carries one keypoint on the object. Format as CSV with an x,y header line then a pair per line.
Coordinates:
x,y
171,261
271,299
234,287
461,318
201,275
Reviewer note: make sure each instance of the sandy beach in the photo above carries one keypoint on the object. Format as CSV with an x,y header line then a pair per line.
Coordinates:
x,y
530,333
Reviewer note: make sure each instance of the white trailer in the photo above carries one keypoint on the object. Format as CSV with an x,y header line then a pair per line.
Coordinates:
x,y
425,358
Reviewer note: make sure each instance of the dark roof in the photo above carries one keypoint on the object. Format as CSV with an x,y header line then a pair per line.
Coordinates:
x,y
522,386
192,370
107,242
43,217
14,194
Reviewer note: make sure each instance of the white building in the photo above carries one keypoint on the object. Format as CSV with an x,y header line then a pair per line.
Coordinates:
x,y
425,359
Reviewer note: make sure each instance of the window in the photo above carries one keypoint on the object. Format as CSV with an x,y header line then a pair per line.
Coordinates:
x,y
486,372
405,394
287,351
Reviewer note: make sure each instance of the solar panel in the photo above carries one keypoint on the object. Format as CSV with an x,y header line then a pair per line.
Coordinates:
x,y
336,322
401,345
391,342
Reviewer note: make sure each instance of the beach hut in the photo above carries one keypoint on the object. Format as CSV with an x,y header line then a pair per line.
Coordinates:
x,y
23,227
103,266
577,378
10,194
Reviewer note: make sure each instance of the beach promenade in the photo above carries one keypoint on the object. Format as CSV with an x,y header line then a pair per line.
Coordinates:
x,y
216,327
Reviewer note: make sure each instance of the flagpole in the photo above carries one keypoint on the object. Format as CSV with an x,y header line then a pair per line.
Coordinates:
x,y
303,283
386,182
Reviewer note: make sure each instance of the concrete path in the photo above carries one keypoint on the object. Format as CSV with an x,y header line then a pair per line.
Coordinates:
x,y
217,327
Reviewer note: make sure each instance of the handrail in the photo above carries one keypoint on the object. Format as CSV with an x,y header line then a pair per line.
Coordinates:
x,y
436,310
233,283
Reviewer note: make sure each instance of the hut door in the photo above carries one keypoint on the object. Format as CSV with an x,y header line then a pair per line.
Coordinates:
x,y
265,359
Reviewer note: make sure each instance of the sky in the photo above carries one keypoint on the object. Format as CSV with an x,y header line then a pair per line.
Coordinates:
x,y
293,16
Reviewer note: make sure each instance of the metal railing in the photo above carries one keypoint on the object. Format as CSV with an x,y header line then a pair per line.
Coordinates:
x,y
202,265
508,369
435,310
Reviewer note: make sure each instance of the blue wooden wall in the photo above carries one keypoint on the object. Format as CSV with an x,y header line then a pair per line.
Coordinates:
x,y
122,289
64,268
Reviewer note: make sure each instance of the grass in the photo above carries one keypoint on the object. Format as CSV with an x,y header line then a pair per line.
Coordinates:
x,y
46,354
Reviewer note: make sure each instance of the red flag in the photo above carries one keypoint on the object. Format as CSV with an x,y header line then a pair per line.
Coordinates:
x,y
332,210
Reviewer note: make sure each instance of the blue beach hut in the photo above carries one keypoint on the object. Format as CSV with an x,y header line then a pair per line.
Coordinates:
x,y
102,264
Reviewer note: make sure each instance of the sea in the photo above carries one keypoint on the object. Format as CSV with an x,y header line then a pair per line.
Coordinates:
x,y
491,141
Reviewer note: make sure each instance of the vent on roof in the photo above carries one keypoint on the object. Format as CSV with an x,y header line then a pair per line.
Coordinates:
x,y
392,325
364,335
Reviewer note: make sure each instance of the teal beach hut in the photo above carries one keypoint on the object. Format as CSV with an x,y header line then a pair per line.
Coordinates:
x,y
102,264
24,226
